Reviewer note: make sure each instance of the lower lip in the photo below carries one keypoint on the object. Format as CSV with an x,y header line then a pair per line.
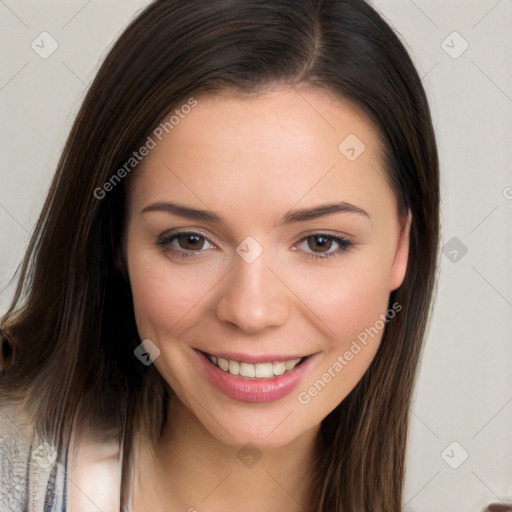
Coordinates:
x,y
253,390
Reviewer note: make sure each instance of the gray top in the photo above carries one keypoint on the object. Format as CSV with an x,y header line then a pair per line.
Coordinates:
x,y
35,478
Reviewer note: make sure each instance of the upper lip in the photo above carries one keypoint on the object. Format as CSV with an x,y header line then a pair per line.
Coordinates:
x,y
252,358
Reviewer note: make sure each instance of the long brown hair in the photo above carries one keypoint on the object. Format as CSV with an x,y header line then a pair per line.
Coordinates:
x,y
71,325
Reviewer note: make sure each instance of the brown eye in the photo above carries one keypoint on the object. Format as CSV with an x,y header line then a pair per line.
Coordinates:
x,y
319,243
190,241
322,245
186,243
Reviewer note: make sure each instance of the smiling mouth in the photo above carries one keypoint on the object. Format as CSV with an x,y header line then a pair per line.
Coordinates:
x,y
267,370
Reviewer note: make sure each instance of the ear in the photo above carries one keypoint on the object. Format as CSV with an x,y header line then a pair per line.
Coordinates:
x,y
399,266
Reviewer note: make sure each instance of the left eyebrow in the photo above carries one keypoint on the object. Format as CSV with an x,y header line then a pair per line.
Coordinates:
x,y
321,211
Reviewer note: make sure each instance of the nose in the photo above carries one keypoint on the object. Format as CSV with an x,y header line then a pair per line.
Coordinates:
x,y
253,298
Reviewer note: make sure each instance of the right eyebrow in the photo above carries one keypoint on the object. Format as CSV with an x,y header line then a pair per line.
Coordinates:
x,y
183,211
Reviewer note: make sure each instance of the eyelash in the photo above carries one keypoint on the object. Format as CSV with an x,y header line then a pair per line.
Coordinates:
x,y
165,239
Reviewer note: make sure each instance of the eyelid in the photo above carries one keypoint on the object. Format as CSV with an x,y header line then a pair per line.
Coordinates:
x,y
326,232
181,231
344,242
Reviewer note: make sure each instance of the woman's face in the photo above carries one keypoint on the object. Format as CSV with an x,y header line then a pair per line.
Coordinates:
x,y
262,233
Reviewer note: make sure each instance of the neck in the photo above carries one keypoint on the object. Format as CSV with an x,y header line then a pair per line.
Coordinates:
x,y
193,471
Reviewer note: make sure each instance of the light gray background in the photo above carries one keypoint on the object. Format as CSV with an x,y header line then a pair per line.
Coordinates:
x,y
464,392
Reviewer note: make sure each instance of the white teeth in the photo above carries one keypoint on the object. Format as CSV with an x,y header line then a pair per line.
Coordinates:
x,y
289,365
234,367
258,370
278,368
223,364
247,370
264,371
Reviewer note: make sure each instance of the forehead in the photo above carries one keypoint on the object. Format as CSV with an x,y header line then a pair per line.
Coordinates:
x,y
279,147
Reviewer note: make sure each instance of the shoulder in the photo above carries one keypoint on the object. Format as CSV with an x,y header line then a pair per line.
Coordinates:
x,y
15,442
34,476
95,464
29,466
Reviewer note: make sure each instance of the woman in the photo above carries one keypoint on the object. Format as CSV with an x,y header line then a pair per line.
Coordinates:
x,y
224,300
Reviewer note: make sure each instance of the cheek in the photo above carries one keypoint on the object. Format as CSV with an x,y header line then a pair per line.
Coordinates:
x,y
349,300
165,297
347,297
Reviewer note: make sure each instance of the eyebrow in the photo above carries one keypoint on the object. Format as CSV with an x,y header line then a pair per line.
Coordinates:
x,y
299,215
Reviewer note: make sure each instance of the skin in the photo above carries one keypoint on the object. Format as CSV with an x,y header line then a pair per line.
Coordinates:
x,y
251,160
